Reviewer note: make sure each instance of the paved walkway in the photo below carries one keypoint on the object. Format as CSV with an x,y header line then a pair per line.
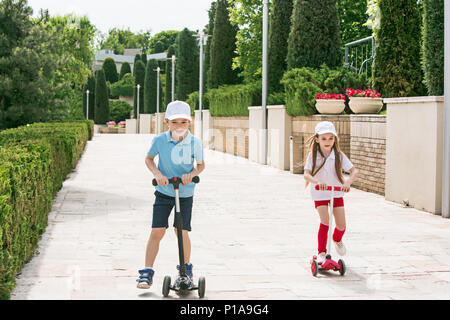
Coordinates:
x,y
254,232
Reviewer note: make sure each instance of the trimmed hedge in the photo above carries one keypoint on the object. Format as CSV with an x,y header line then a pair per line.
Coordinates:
x,y
34,161
234,100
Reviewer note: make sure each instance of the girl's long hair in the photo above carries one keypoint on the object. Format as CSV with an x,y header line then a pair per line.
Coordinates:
x,y
314,147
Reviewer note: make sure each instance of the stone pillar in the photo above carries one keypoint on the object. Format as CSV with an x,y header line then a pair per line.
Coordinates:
x,y
255,134
414,152
131,127
206,128
279,125
144,123
198,124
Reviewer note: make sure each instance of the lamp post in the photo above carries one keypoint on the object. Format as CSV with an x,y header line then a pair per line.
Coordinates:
x,y
173,77
202,36
137,105
264,81
87,104
158,70
446,153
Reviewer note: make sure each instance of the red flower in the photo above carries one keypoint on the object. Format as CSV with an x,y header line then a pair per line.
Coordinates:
x,y
368,93
329,96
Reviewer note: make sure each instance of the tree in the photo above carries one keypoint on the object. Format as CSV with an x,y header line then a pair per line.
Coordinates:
x,y
101,112
150,87
223,46
186,69
315,37
433,46
161,42
118,40
209,30
28,64
168,91
139,79
124,69
110,69
137,58
90,85
353,17
278,41
396,70
246,16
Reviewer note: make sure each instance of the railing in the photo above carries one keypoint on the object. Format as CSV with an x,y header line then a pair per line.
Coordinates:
x,y
358,55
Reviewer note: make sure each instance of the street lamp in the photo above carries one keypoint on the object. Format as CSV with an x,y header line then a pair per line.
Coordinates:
x,y
264,81
87,104
137,105
202,36
173,58
158,70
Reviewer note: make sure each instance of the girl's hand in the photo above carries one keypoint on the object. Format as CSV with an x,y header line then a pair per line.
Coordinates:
x,y
322,186
346,187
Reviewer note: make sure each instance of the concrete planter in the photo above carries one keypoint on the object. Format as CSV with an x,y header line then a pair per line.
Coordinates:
x,y
330,106
360,105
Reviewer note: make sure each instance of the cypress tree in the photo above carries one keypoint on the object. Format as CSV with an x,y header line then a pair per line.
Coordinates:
x,y
90,85
186,68
124,69
110,69
433,46
396,70
278,41
168,93
150,87
314,38
144,58
101,112
139,79
137,58
223,47
207,59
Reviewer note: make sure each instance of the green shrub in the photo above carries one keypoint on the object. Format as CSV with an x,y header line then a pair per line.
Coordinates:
x,y
124,69
123,87
302,84
34,160
234,100
119,110
110,69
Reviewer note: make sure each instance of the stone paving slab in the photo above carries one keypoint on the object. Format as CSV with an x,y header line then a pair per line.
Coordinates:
x,y
254,232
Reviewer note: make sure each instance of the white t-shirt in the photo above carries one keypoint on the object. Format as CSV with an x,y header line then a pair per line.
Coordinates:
x,y
327,174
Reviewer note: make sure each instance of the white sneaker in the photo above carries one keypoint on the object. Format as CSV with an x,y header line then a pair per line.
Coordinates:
x,y
340,248
321,257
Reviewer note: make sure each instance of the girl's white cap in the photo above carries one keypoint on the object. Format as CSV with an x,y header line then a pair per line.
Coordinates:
x,y
325,127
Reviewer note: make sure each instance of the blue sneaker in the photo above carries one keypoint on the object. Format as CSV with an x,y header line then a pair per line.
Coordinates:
x,y
188,270
145,279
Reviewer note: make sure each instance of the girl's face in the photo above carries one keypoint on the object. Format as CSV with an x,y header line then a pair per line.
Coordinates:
x,y
326,141
178,127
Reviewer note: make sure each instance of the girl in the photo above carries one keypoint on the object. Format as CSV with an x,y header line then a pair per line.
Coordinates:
x,y
323,167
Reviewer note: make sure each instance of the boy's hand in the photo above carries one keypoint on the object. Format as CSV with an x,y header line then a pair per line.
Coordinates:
x,y
162,180
186,178
346,187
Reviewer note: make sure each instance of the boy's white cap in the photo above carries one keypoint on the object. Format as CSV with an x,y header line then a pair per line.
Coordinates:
x,y
178,109
325,127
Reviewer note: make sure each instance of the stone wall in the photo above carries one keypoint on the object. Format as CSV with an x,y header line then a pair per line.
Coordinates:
x,y
230,135
368,151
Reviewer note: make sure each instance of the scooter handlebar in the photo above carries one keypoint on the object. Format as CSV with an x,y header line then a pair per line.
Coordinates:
x,y
329,188
195,179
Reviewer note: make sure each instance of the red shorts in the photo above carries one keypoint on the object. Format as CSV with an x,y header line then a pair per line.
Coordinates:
x,y
338,202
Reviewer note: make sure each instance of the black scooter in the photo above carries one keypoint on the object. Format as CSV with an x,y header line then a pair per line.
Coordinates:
x,y
183,283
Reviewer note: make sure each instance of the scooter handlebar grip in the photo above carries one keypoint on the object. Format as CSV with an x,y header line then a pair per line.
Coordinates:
x,y
195,179
329,188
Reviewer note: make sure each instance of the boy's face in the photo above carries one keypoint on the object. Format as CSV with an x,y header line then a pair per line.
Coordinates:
x,y
326,141
178,127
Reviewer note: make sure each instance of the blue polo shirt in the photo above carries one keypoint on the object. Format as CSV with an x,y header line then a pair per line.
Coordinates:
x,y
176,159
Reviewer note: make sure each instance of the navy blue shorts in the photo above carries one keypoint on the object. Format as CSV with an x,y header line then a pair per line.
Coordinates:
x,y
163,207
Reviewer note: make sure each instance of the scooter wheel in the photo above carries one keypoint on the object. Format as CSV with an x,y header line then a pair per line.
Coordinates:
x,y
166,286
314,268
341,267
201,287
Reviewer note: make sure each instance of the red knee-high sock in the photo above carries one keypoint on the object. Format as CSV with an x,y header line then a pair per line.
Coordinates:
x,y
322,238
338,234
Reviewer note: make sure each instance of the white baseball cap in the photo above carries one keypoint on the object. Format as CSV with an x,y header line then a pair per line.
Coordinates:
x,y
325,127
178,109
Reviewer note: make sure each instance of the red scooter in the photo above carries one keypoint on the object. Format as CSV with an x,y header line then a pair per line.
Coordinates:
x,y
328,264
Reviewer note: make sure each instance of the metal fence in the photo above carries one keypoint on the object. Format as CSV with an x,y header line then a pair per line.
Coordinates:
x,y
359,55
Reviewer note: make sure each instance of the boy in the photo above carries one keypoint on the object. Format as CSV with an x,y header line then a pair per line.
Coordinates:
x,y
177,148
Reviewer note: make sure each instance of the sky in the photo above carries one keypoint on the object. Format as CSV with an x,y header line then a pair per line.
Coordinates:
x,y
136,15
